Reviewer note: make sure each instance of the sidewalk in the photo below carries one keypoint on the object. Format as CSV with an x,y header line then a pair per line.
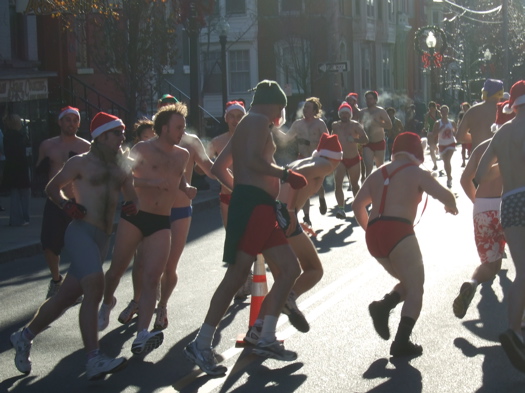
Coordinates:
x,y
21,242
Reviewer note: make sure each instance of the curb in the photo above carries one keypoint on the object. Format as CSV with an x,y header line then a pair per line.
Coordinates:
x,y
32,249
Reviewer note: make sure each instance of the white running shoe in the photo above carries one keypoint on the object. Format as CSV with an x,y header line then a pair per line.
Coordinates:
x,y
127,314
147,342
205,359
22,348
103,314
101,365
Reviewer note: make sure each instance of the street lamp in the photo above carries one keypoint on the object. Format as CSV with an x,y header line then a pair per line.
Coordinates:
x,y
487,55
430,42
223,28
193,33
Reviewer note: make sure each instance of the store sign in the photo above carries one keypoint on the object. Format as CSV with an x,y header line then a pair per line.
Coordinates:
x,y
18,90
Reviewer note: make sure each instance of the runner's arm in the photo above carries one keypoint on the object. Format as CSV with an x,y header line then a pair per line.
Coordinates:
x,y
66,175
220,167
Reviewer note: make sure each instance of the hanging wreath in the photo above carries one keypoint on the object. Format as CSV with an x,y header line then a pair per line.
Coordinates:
x,y
435,57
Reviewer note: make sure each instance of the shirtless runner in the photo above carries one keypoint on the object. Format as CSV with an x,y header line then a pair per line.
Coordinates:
x,y
235,111
97,178
507,148
158,172
390,235
374,120
475,127
488,233
324,160
52,155
307,132
253,229
350,133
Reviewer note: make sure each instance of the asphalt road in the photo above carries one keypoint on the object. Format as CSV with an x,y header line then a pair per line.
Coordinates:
x,y
341,353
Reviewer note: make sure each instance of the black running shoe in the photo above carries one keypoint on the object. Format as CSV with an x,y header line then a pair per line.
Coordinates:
x,y
306,219
380,315
322,206
408,349
296,317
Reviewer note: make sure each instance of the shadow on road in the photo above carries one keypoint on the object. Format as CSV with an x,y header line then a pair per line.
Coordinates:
x,y
492,312
494,365
403,378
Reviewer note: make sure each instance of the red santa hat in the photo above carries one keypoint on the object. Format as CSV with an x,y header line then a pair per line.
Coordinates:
x,y
352,95
231,105
517,96
345,107
67,110
501,116
410,144
103,122
329,147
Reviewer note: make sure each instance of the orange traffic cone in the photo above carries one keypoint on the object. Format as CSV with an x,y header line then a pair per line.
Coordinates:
x,y
259,288
259,291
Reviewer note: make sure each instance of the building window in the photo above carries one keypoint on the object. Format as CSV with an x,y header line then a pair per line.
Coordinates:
x,y
387,67
235,7
239,67
366,67
370,8
81,43
358,7
293,64
212,72
391,10
294,6
380,9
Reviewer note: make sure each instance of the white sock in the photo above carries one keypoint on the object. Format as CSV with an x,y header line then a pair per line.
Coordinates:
x,y
268,328
205,336
474,282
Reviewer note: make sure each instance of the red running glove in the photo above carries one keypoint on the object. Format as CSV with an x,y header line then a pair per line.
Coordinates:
x,y
74,210
295,179
129,208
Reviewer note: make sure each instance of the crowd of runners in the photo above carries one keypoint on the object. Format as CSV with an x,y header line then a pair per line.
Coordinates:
x,y
261,204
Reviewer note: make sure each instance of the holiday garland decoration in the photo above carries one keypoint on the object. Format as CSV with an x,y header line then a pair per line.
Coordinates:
x,y
432,57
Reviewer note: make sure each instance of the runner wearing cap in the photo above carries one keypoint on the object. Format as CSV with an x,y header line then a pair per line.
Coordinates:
x,y
395,192
52,155
253,228
97,178
476,124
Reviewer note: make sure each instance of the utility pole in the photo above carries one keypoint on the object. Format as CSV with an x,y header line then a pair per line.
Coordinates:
x,y
505,9
193,32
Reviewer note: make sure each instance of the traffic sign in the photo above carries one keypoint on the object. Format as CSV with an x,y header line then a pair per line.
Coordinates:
x,y
341,66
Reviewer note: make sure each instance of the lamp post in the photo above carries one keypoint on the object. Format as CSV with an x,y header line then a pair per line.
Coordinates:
x,y
193,33
223,28
431,42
